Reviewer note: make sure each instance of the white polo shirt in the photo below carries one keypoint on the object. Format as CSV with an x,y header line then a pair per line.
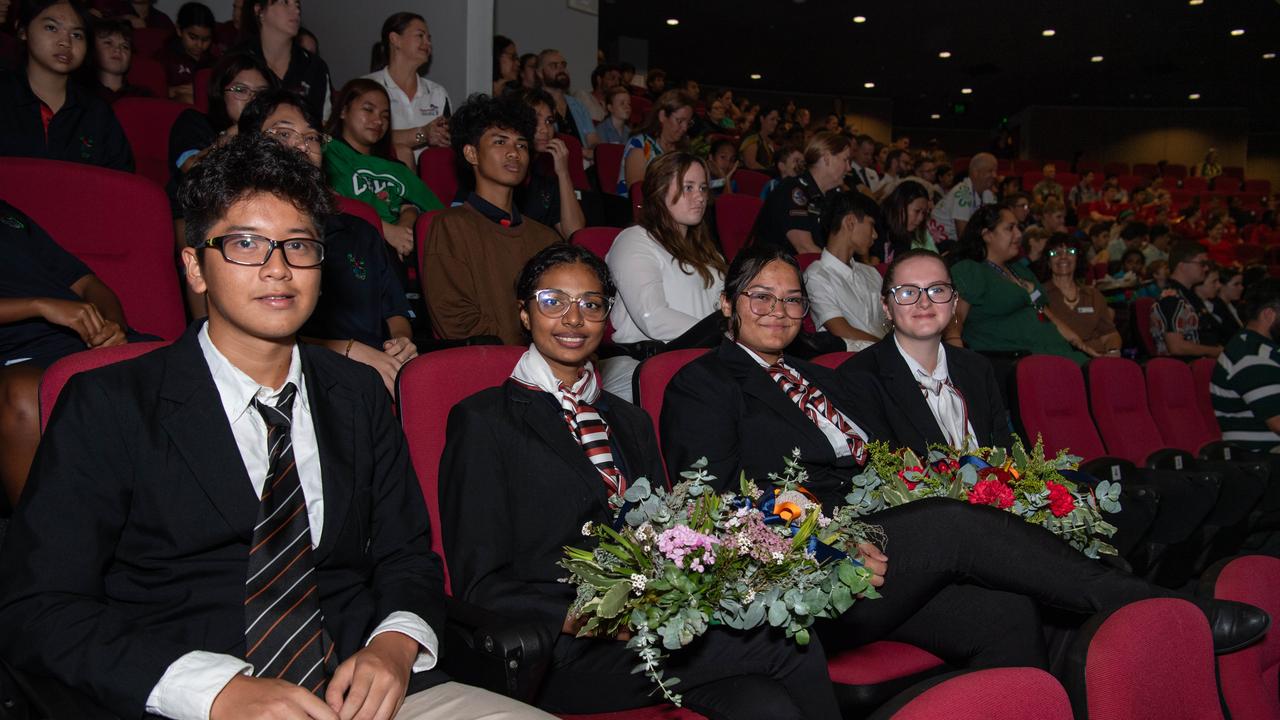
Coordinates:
x,y
428,103
959,204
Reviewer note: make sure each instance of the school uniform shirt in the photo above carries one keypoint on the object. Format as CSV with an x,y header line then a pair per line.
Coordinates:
x,y
960,203
110,96
941,404
361,290
846,290
539,197
796,204
308,75
429,101
179,67
859,175
1245,390
657,298
84,129
1177,311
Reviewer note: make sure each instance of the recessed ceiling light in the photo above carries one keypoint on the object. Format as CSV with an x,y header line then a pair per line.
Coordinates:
x,y
868,85
966,91
1237,32
1193,96
755,76
1195,2
673,21
859,19
935,116
1268,56
944,54
1096,58
1048,32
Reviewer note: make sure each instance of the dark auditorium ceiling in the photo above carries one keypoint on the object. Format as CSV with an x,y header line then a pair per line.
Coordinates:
x,y
1156,53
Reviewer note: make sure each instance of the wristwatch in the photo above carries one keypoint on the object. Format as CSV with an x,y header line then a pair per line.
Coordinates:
x,y
420,137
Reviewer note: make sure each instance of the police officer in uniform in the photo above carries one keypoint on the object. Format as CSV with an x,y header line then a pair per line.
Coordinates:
x,y
791,213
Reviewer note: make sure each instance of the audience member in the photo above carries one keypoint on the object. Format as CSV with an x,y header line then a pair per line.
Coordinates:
x,y
227,33
548,196
1002,307
1079,306
529,71
965,197
1099,234
926,173
862,175
361,604
571,117
143,14
788,162
359,163
474,251
1033,257
1107,209
663,132
1083,193
1053,216
269,29
603,78
308,41
419,107
45,115
758,147
722,163
1048,187
506,64
1246,378
719,118
1210,169
791,216
1020,203
504,559
1007,186
1221,249
188,52
112,58
1215,328
843,289
655,83
895,168
906,210
1226,305
615,127
1175,318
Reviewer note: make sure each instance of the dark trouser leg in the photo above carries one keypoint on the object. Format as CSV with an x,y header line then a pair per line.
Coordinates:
x,y
725,675
973,627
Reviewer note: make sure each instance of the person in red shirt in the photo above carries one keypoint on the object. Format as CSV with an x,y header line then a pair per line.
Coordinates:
x,y
1110,206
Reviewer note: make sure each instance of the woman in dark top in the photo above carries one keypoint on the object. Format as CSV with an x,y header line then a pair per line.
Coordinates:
x,y
44,114
516,486
952,586
270,29
548,194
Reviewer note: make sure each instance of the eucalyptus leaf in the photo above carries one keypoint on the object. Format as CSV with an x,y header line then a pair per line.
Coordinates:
x,y
778,613
638,490
614,599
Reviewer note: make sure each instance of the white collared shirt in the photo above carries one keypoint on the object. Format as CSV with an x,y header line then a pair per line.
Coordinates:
x,y
839,441
959,204
941,374
657,298
428,102
191,683
846,290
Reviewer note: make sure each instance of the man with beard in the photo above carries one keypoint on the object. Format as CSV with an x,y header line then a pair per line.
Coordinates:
x,y
1246,380
570,116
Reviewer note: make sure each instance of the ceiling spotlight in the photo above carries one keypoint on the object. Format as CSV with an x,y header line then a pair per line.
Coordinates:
x,y
1096,58
1268,56
859,19
935,116
1048,32
966,91
944,54
673,22
1195,2
1237,32
1193,96
755,76
868,85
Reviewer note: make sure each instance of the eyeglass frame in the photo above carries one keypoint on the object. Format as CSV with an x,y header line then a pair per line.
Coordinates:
x,y
924,292
773,305
252,92
608,303
218,242
1073,252
320,141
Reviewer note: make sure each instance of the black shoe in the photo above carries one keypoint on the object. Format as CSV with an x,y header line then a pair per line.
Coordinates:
x,y
1235,625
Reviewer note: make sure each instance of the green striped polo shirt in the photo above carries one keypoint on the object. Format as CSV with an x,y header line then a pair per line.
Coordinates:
x,y
1246,390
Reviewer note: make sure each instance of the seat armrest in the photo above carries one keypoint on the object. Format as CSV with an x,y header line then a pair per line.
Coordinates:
x,y
496,652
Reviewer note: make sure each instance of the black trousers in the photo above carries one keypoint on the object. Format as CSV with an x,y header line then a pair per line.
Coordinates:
x,y
964,582
725,675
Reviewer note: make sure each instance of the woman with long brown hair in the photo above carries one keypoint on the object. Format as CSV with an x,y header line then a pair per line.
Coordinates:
x,y
665,131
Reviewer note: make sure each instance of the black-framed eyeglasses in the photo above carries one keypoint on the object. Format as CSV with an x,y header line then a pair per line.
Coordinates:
x,y
910,294
249,249
294,139
242,91
763,303
1063,252
555,303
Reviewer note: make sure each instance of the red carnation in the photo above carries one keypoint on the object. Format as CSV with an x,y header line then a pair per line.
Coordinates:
x,y
991,492
902,475
995,474
1060,501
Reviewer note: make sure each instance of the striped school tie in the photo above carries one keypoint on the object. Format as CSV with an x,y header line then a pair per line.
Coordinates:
x,y
814,404
284,629
592,433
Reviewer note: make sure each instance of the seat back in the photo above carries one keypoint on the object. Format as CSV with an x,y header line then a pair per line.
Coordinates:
x,y
1118,399
577,172
426,390
1084,166
735,216
1175,170
1248,677
609,164
1195,184
200,89
1148,660
596,239
1171,396
148,41
640,107
833,360
1010,693
436,168
750,182
1202,372
652,377
1146,170
1051,405
1021,167
1115,168
1257,186
147,72
119,225
1142,321
360,209
146,122
57,374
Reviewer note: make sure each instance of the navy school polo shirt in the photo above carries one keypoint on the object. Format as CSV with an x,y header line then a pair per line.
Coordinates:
x,y
84,130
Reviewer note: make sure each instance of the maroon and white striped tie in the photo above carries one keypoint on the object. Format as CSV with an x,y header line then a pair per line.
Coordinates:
x,y
592,433
814,404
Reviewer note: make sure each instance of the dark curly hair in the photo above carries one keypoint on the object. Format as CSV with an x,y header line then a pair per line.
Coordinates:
x,y
480,113
251,164
256,112
562,254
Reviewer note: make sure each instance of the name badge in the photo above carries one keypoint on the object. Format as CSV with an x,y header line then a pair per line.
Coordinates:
x,y
1085,310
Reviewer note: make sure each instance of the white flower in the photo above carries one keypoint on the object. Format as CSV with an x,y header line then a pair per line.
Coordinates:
x,y
823,521
777,557
638,582
750,597
586,528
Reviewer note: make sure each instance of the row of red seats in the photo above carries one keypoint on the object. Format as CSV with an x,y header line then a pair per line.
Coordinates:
x,y
1145,170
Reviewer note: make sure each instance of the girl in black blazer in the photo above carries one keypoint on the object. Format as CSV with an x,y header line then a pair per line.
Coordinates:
x,y
746,405
517,486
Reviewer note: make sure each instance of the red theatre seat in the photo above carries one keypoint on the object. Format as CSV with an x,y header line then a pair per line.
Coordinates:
x,y
1142,319
1051,405
1149,660
147,41
1115,168
360,209
200,89
640,107
609,165
1248,678
146,122
735,216
149,73
833,360
57,374
1202,371
437,170
1146,170
1022,167
751,182
1171,394
576,171
1195,184
1118,399
596,239
1257,186
117,223
996,694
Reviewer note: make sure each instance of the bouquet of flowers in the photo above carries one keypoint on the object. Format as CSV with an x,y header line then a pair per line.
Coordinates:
x,y
677,561
1026,484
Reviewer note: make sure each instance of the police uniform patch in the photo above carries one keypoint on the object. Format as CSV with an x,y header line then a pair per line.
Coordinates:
x,y
798,197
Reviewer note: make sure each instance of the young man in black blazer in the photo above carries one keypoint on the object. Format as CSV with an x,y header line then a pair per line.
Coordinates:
x,y
230,527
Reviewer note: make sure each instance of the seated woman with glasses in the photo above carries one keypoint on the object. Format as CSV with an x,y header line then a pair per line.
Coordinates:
x,y
931,392
1082,308
360,163
951,586
527,463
